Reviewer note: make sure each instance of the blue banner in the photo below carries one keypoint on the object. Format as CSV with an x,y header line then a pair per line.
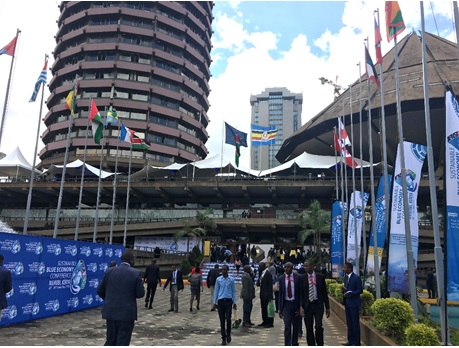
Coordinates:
x,y
337,239
381,223
52,276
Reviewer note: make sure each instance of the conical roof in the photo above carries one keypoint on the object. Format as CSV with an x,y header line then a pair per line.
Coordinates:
x,y
316,136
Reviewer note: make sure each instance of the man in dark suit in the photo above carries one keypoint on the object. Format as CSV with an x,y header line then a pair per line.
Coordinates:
x,y
265,281
290,300
315,298
119,288
247,295
152,279
351,290
6,284
212,276
176,280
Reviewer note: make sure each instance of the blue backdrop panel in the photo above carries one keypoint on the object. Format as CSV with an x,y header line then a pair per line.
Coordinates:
x,y
52,276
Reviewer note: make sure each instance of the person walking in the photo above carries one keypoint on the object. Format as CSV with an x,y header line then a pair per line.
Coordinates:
x,y
195,287
290,304
247,295
225,298
175,279
212,276
120,288
430,283
315,298
152,279
266,294
6,284
351,290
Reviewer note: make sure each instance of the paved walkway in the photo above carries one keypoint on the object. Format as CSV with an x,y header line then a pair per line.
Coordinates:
x,y
158,327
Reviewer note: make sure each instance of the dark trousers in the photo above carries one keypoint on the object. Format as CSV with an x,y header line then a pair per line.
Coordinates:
x,y
314,315
264,313
224,313
151,291
247,311
291,324
353,325
119,332
276,299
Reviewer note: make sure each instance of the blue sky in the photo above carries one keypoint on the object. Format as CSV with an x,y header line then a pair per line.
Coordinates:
x,y
256,45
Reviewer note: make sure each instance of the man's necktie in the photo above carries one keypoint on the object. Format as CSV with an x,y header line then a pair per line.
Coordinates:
x,y
311,289
289,288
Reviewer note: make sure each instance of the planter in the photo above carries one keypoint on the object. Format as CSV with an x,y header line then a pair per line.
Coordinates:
x,y
368,334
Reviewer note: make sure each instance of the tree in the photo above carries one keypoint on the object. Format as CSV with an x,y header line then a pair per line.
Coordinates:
x,y
314,221
204,223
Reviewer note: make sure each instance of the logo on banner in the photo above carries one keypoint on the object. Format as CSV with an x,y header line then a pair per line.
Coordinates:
x,y
15,247
86,251
411,184
109,252
52,305
356,212
55,249
118,252
71,249
73,302
35,308
79,277
419,151
10,293
173,246
11,312
97,252
19,268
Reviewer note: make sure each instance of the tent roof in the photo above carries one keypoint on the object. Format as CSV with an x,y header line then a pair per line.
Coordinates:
x,y
15,164
75,165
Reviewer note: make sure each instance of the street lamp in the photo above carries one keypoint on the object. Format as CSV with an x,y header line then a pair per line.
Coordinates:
x,y
338,88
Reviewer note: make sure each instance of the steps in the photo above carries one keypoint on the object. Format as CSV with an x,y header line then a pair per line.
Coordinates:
x,y
207,266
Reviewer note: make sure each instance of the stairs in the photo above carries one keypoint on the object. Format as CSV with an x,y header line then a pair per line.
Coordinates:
x,y
207,266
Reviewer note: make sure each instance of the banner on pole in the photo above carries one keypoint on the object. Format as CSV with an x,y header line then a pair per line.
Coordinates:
x,y
337,239
354,224
415,154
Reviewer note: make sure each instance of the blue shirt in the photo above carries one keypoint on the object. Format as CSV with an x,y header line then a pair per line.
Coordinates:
x,y
225,288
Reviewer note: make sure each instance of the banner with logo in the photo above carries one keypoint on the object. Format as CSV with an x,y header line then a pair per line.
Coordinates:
x,y
452,197
380,224
52,276
354,225
166,244
397,271
337,239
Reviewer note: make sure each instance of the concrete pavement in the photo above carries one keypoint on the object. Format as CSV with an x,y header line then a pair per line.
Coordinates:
x,y
158,327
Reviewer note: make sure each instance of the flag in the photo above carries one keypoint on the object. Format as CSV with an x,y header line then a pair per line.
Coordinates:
x,y
70,101
394,20
127,135
371,70
112,117
263,135
344,137
340,145
238,149
96,123
10,48
378,40
41,80
230,136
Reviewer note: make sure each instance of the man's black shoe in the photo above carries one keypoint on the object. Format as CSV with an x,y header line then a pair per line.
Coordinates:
x,y
170,310
146,304
228,339
150,307
223,343
346,344
262,324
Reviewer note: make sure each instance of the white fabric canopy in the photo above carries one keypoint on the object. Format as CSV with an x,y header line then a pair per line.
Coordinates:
x,y
75,168
15,164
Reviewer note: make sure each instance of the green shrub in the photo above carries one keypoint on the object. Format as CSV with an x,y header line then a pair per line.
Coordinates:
x,y
185,267
367,301
330,281
392,316
334,290
421,335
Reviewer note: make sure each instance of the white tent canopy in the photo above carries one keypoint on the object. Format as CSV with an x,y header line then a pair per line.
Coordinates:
x,y
74,168
14,165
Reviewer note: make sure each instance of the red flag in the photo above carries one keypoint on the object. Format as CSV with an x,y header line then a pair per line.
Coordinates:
x,y
340,145
370,68
10,48
378,39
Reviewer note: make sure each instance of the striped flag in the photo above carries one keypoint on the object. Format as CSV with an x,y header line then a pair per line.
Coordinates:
x,y
371,70
127,135
10,48
96,123
41,80
263,135
394,20
70,100
340,145
378,40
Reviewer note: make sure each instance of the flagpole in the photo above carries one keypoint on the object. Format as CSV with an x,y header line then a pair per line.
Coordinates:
x,y
372,193
32,175
364,227
96,218
433,192
114,187
223,139
8,85
77,226
127,198
344,203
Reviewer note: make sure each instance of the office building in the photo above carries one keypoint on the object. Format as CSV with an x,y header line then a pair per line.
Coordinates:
x,y
274,107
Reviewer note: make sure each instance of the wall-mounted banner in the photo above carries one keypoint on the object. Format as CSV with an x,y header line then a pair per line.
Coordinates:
x,y
167,244
354,225
337,239
52,276
380,222
452,197
415,154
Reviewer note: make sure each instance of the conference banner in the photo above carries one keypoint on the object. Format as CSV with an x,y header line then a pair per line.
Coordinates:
x,y
52,276
354,225
337,239
452,197
380,224
397,271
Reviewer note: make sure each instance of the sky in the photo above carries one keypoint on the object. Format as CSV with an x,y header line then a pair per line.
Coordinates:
x,y
256,45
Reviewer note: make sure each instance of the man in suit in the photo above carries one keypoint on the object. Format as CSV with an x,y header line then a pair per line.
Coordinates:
x,y
290,299
247,295
351,290
6,284
265,281
176,280
315,298
152,279
212,276
119,288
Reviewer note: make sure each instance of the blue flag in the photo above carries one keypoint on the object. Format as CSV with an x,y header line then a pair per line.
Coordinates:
x,y
230,136
41,80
